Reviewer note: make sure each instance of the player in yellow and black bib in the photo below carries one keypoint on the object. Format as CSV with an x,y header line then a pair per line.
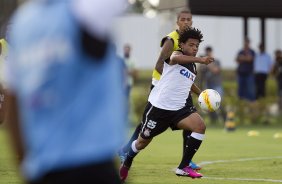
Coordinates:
x,y
168,44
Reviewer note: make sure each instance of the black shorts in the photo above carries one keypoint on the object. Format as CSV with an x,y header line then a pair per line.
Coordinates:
x,y
156,120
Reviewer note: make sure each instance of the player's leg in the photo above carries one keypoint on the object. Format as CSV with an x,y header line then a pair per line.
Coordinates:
x,y
241,83
135,148
250,85
135,134
186,134
263,83
152,125
196,124
122,152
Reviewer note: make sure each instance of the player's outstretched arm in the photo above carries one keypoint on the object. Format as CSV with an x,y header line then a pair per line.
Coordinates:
x,y
178,57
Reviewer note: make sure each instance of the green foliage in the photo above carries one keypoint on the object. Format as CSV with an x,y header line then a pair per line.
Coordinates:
x,y
258,112
139,96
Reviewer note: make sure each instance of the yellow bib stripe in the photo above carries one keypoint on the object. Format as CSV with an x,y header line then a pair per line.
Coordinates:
x,y
156,75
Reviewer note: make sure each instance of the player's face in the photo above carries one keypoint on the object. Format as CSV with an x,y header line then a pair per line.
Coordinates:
x,y
190,47
184,21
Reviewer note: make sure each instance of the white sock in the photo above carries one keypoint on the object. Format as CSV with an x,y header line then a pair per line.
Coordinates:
x,y
198,136
133,147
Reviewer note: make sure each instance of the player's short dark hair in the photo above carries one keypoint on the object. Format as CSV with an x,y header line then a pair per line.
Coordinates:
x,y
183,11
190,33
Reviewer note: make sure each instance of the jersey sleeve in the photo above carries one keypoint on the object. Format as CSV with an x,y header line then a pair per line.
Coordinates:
x,y
164,39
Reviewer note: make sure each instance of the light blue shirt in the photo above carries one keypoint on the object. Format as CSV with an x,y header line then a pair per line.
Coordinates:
x,y
72,106
263,63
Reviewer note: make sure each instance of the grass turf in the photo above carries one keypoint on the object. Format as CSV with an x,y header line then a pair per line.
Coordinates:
x,y
226,158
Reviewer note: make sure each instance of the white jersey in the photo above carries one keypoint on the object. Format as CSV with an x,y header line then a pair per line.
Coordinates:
x,y
174,86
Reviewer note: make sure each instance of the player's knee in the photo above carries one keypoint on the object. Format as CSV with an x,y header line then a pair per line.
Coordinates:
x,y
201,128
142,143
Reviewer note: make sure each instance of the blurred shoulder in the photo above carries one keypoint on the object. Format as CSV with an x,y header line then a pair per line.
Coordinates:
x,y
36,14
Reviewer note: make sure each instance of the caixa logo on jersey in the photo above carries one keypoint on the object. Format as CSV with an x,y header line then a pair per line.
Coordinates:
x,y
187,74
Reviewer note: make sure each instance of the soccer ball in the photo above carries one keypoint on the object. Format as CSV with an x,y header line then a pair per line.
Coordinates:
x,y
209,100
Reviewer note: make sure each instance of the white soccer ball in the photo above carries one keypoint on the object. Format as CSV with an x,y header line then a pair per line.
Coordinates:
x,y
209,100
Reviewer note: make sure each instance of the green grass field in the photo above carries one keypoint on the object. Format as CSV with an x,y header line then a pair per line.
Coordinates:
x,y
8,171
226,157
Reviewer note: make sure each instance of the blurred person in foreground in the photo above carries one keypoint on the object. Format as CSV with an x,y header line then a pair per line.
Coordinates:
x,y
245,72
3,59
64,121
262,67
277,71
168,44
167,107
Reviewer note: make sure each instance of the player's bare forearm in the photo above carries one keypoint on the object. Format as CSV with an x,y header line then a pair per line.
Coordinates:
x,y
178,58
195,89
165,53
159,66
14,127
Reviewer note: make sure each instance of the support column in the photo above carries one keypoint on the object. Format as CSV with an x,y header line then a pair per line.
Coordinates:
x,y
245,27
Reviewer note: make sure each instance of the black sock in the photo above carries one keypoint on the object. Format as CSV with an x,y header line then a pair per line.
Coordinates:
x,y
130,156
185,134
192,145
134,136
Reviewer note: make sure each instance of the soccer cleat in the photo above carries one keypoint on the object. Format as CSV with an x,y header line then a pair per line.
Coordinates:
x,y
123,172
188,171
194,166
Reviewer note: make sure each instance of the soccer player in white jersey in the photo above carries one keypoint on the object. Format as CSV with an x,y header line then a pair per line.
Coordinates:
x,y
168,44
166,106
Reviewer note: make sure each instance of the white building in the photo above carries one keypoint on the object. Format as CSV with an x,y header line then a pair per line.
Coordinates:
x,y
224,34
